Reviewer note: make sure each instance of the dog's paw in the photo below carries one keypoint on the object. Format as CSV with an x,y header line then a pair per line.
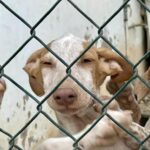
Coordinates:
x,y
123,118
106,132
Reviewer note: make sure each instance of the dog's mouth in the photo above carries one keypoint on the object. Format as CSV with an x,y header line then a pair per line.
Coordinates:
x,y
71,110
68,110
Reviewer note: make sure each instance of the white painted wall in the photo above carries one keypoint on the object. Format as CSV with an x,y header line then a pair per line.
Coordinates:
x,y
17,108
148,21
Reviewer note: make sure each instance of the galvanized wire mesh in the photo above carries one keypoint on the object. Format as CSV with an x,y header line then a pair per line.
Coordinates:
x,y
68,72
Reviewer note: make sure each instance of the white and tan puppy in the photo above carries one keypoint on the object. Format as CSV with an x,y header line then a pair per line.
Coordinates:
x,y
72,105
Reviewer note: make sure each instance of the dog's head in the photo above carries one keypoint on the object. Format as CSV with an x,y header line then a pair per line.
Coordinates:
x,y
45,72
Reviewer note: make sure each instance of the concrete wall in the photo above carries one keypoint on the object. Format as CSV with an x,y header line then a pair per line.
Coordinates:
x,y
17,108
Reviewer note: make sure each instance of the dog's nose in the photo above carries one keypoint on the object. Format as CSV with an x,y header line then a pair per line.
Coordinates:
x,y
65,96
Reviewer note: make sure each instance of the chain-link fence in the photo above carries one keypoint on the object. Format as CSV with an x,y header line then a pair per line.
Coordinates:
x,y
100,35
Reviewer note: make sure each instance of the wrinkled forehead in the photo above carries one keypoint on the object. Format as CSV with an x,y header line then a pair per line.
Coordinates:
x,y
68,47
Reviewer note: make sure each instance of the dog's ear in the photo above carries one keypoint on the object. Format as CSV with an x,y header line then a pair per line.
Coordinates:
x,y
2,89
111,64
142,90
33,69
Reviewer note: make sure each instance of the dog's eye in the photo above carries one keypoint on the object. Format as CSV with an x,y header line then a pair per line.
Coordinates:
x,y
86,61
47,63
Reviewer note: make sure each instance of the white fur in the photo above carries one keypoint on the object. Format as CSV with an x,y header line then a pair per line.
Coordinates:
x,y
69,48
97,133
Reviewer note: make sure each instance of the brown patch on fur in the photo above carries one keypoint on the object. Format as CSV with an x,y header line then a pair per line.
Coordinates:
x,y
116,74
33,68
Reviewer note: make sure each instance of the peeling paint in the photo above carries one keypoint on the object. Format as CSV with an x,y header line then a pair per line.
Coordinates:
x,y
29,114
23,135
26,97
32,140
24,108
36,126
17,104
8,120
